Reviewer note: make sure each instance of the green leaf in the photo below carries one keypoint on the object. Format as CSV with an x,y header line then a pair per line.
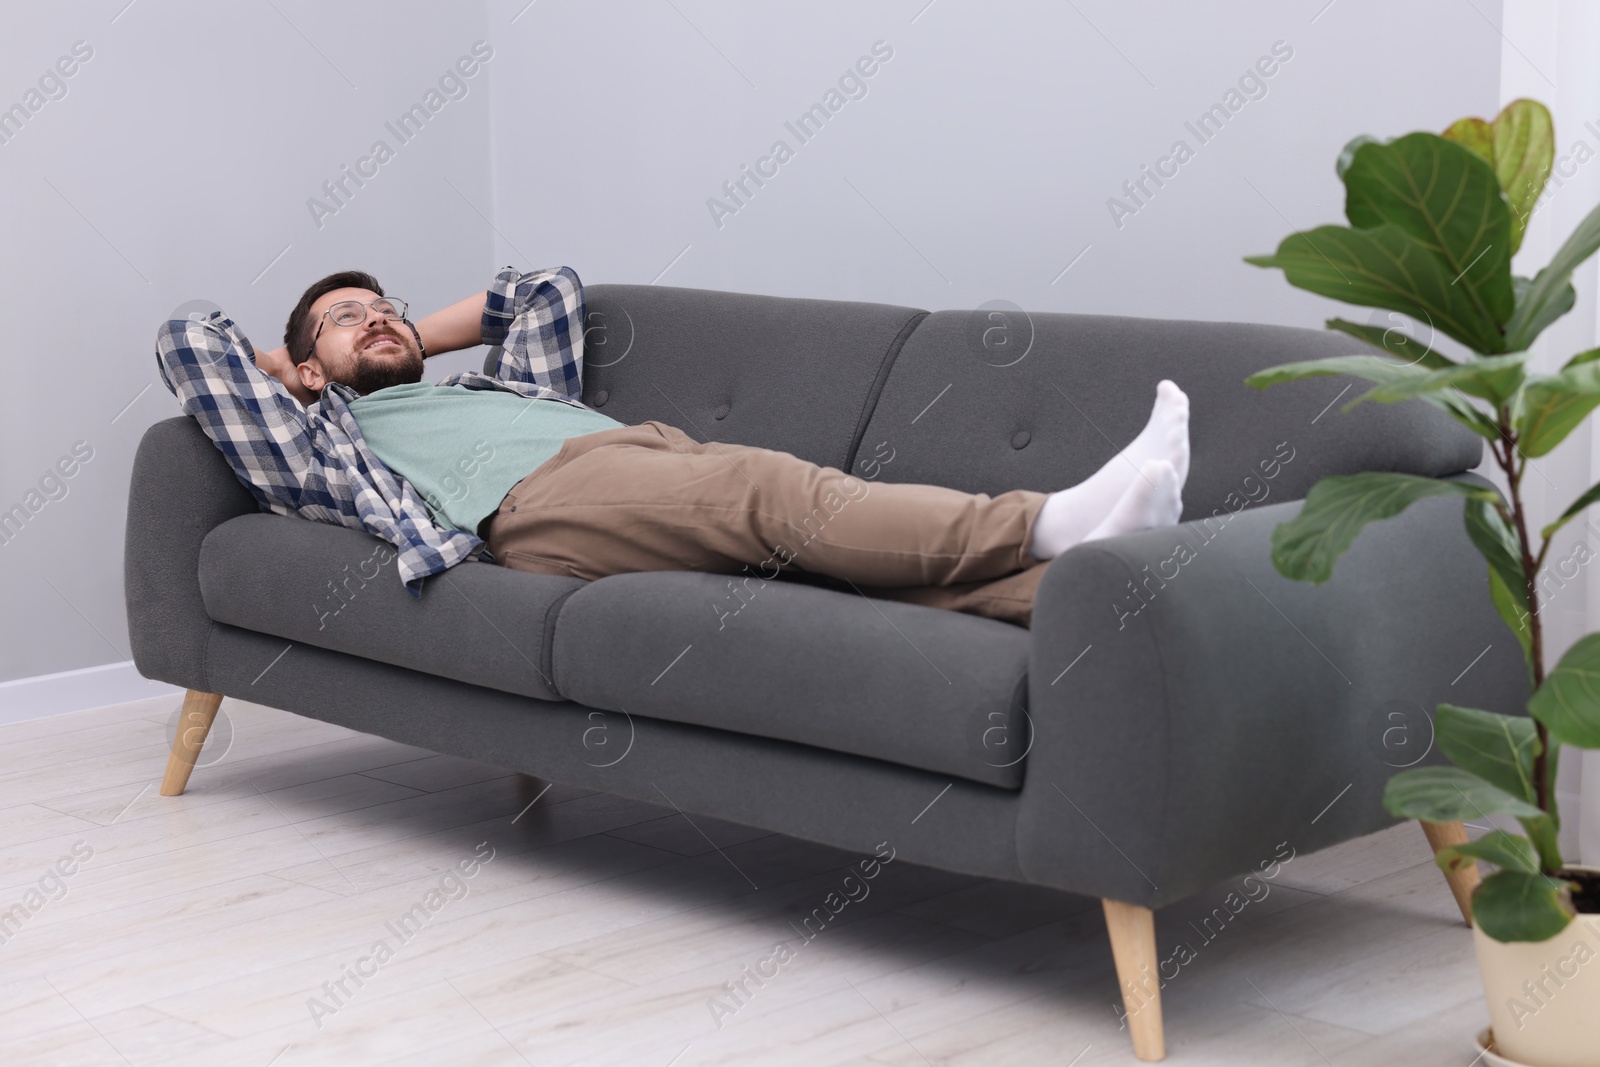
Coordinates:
x,y
1347,155
1573,511
1587,356
1446,199
1517,906
1475,135
1524,148
1463,412
1568,703
1497,847
1497,748
1495,538
1367,368
1494,378
1395,342
1554,405
1450,794
1520,146
1378,369
1508,590
1513,608
1306,547
1552,287
1559,303
1545,830
1385,267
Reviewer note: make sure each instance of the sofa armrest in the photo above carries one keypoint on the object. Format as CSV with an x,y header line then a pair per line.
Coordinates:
x,y
181,489
1193,710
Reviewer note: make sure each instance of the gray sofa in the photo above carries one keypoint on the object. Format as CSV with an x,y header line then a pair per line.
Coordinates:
x,y
1173,716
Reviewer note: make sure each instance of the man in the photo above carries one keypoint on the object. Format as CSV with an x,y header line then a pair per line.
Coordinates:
x,y
337,426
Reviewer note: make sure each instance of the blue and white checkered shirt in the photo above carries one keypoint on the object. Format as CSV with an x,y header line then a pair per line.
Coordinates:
x,y
313,461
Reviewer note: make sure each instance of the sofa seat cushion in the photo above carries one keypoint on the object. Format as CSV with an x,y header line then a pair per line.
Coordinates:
x,y
920,687
338,588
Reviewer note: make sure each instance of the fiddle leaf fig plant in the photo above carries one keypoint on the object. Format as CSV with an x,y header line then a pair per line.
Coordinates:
x,y
1434,220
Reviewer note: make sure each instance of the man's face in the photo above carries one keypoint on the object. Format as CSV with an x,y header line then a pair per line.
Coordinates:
x,y
374,354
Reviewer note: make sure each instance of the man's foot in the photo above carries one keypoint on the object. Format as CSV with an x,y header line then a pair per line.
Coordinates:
x,y
1071,514
1154,499
1165,436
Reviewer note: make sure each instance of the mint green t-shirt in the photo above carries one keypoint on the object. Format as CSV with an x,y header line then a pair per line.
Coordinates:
x,y
463,449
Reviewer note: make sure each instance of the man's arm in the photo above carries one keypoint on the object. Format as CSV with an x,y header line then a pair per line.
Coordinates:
x,y
536,319
456,327
278,364
263,432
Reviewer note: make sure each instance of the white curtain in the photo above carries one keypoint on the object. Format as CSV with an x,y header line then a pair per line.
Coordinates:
x,y
1547,52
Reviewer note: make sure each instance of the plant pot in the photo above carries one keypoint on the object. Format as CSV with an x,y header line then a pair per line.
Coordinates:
x,y
1488,1055
1544,996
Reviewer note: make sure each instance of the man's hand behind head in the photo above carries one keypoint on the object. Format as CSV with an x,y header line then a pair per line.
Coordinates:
x,y
278,364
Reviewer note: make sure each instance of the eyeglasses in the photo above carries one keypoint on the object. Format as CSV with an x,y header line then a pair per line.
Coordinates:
x,y
354,313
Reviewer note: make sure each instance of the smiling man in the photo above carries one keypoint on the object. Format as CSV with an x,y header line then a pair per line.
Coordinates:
x,y
372,346
512,467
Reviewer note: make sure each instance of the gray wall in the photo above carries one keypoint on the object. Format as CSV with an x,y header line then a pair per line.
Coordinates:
x,y
178,166
979,163
977,166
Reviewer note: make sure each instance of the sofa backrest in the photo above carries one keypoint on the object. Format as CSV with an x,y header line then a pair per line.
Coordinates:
x,y
779,372
995,398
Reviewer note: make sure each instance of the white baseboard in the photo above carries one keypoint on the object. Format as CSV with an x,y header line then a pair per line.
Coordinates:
x,y
79,690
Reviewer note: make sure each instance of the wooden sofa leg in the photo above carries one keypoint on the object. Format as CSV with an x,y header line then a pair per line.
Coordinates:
x,y
1133,946
1463,881
194,722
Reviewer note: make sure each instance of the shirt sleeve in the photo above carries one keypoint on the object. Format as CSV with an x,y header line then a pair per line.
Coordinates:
x,y
252,418
535,320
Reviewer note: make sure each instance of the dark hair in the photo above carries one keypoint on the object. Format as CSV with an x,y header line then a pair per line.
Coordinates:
x,y
297,333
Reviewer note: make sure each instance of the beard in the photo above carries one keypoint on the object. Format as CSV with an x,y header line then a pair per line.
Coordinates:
x,y
389,367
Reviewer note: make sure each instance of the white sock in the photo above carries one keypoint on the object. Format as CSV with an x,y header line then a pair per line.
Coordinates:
x,y
1154,499
1069,516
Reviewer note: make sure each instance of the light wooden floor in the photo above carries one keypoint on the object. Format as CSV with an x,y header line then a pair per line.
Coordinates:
x,y
202,925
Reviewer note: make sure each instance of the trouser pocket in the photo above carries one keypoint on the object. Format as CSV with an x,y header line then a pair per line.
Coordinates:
x,y
527,561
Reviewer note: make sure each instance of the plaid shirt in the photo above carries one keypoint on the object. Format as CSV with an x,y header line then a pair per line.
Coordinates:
x,y
313,461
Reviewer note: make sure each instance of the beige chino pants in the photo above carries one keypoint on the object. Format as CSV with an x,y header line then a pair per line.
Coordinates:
x,y
652,498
